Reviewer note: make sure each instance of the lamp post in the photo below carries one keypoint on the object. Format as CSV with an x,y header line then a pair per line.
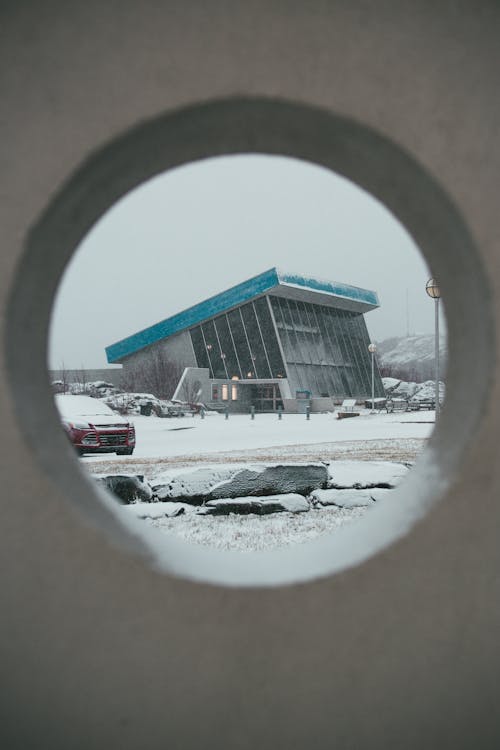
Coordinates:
x,y
434,292
372,349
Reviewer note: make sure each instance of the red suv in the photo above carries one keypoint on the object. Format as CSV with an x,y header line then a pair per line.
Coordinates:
x,y
93,427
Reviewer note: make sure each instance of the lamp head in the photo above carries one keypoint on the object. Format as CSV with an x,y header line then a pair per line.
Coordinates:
x,y
433,289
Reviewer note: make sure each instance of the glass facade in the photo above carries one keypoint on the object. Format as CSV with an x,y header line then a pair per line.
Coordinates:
x,y
325,348
241,343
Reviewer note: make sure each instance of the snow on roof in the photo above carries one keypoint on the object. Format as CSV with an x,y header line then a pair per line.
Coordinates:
x,y
277,281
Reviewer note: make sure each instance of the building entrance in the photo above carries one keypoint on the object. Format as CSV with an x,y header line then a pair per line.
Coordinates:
x,y
266,397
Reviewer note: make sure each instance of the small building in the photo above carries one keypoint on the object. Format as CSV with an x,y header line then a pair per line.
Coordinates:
x,y
277,340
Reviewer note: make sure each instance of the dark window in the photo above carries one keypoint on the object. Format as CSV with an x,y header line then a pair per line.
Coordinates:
x,y
200,351
286,343
326,349
214,350
226,343
257,347
241,343
269,336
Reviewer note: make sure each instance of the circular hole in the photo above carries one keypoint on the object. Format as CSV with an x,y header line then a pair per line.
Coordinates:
x,y
281,128
209,229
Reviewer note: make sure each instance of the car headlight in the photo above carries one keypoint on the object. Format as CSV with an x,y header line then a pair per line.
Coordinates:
x,y
80,425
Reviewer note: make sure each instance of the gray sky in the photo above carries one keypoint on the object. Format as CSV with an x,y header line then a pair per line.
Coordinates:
x,y
198,229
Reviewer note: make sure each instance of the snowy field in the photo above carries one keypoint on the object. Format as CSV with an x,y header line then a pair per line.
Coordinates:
x,y
188,440
190,443
253,533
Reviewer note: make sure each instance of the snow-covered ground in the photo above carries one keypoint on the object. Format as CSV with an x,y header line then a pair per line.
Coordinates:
x,y
192,439
169,444
250,533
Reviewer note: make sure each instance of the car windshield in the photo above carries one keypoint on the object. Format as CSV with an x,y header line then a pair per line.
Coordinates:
x,y
82,406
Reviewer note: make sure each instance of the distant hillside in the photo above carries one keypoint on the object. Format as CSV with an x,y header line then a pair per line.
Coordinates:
x,y
410,358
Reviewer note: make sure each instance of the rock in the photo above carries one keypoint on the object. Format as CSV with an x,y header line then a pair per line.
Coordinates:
x,y
191,485
217,482
273,480
129,488
291,503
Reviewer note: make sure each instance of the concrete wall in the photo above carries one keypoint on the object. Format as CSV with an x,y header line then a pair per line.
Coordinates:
x,y
388,640
177,349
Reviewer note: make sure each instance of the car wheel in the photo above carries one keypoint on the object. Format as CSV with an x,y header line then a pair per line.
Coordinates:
x,y
125,452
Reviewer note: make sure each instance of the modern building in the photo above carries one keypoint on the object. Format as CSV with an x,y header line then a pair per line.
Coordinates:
x,y
275,340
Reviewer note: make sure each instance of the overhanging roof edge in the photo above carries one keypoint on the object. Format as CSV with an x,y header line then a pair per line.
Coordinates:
x,y
262,283
214,305
337,289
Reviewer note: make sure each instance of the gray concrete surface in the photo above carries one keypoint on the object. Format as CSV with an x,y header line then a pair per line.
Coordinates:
x,y
100,650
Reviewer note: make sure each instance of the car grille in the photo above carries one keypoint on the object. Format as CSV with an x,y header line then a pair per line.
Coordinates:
x,y
113,438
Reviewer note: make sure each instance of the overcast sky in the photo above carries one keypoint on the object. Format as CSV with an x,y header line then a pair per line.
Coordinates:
x,y
198,229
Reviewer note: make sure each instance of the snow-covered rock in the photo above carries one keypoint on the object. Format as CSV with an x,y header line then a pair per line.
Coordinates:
x,y
232,481
344,498
274,480
193,485
390,384
291,503
365,474
129,488
404,389
410,391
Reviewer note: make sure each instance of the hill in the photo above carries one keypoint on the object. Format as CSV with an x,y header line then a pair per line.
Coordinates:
x,y
410,358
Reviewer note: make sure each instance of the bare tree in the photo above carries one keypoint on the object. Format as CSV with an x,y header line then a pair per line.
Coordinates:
x,y
81,379
63,385
156,374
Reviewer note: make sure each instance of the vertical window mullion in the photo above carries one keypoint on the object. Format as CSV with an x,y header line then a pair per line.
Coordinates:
x,y
354,343
329,378
234,346
330,322
262,339
348,350
298,347
207,351
322,382
276,333
252,355
359,339
220,348
338,332
292,360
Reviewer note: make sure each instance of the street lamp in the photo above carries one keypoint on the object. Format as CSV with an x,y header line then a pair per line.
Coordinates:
x,y
372,349
434,291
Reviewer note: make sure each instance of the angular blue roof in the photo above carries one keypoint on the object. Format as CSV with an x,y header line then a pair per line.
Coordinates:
x,y
280,282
